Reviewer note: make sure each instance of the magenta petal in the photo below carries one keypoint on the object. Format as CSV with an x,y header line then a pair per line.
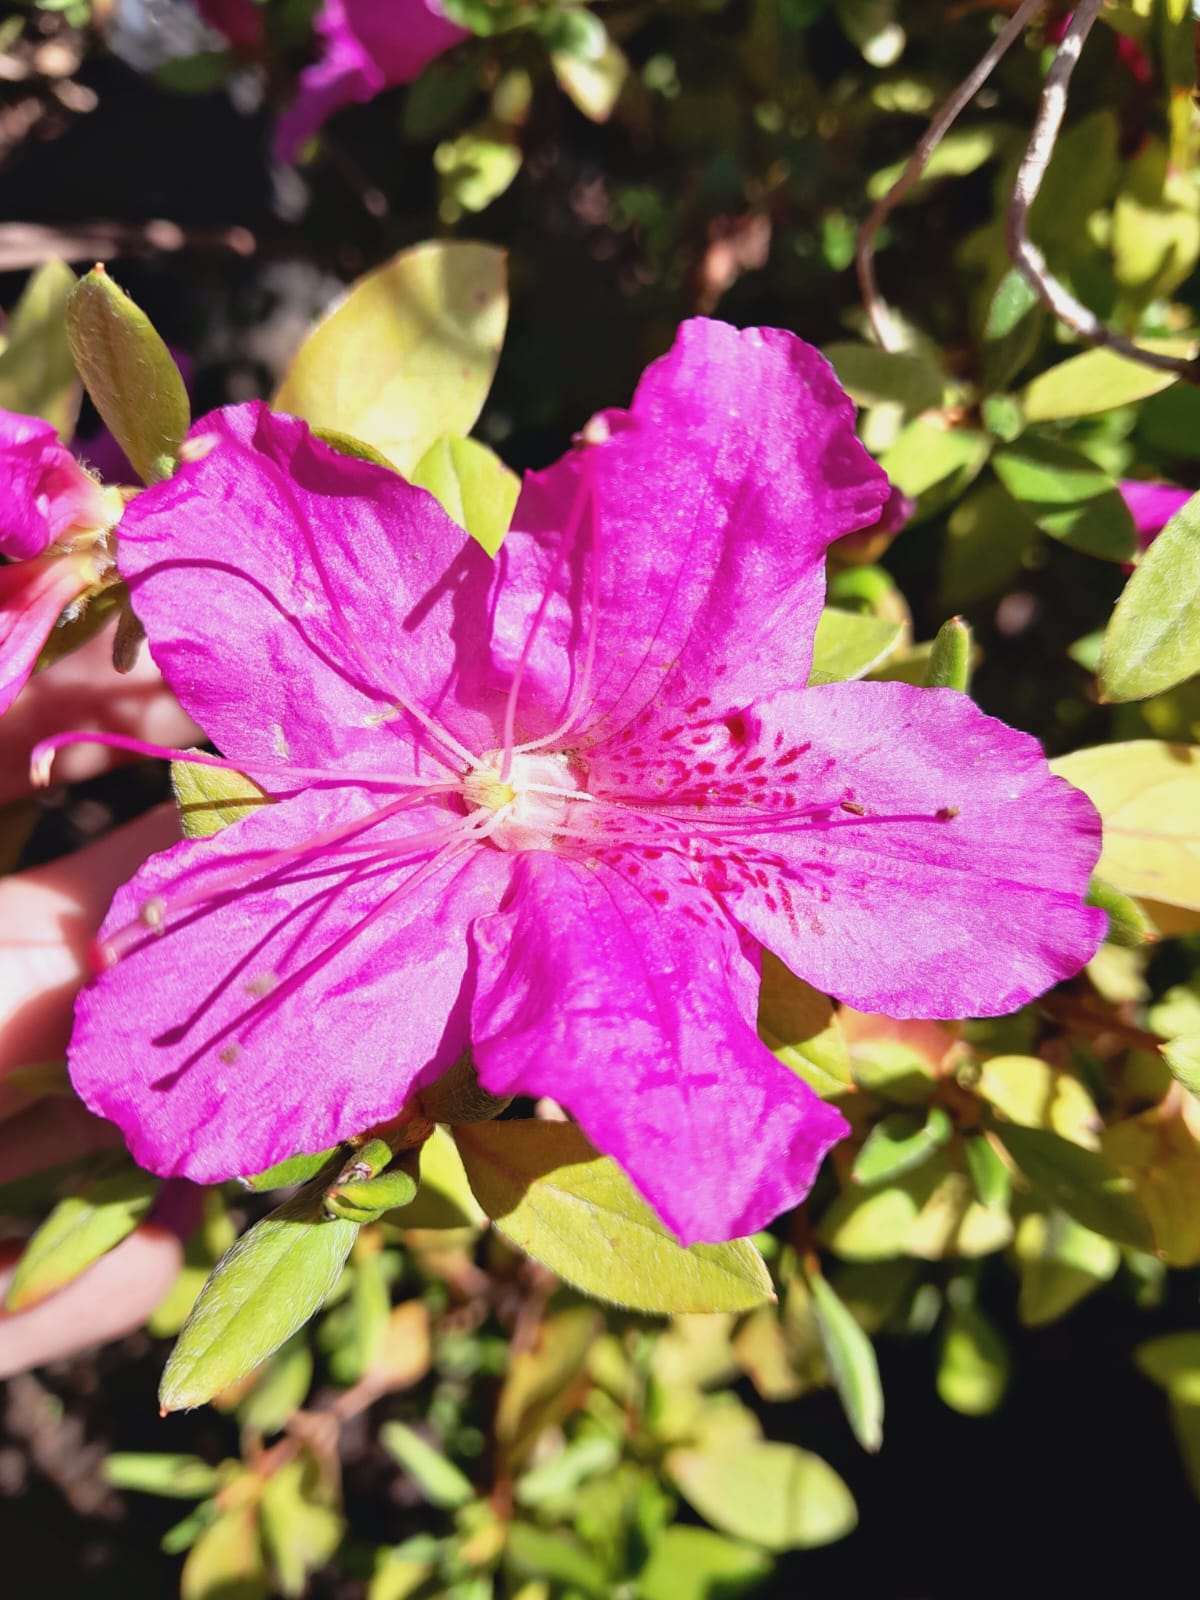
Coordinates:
x,y
241,1033
293,597
366,47
44,493
33,595
903,852
1152,505
716,496
632,1003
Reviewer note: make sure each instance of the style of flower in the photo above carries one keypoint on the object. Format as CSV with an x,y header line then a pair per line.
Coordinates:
x,y
1151,505
549,809
54,522
365,48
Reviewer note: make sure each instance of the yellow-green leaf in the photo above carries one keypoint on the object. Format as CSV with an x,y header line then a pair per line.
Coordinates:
x,y
973,1370
576,1212
227,1561
1148,794
849,644
1152,641
1097,380
798,1023
80,1229
851,1357
473,486
408,353
1027,1090
37,374
1060,1262
210,798
774,1495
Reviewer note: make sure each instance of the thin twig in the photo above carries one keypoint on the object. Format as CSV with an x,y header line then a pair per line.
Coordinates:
x,y
1026,256
948,113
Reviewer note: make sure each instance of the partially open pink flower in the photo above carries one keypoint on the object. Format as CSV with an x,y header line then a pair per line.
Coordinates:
x,y
366,47
548,809
45,495
53,518
1152,505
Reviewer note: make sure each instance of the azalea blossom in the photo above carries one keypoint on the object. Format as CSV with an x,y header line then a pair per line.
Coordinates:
x,y
549,809
365,47
1151,505
54,520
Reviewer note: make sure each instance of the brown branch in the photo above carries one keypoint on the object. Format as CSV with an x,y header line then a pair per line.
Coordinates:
x,y
879,316
28,244
1026,256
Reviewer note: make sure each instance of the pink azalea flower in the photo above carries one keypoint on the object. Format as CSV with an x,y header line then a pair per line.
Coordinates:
x,y
548,809
53,518
366,47
1152,505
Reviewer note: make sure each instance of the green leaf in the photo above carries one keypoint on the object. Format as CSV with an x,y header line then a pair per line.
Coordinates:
x,y
408,354
774,1495
797,1022
950,659
536,1392
260,1292
848,644
1011,331
439,1480
593,79
989,1175
80,1229
1068,496
227,1561
281,1389
535,1553
851,1358
177,1477
444,1198
300,1530
210,798
296,1169
1182,1055
1079,1182
872,377
959,153
1148,794
1128,924
988,537
473,486
37,373
1097,380
698,1564
898,1143
935,464
1060,1263
1173,1362
1152,641
547,1190
476,167
129,373
974,1365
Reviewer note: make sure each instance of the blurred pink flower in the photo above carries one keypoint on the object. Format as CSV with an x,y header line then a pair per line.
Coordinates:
x,y
1152,505
366,46
549,809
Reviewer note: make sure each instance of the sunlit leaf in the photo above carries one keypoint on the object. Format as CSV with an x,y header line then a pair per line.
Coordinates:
x,y
698,1564
547,1190
1157,1153
210,798
408,354
774,1495
37,373
1152,641
848,644
1095,381
177,1477
473,486
227,1561
82,1228
1182,1055
1060,1263
974,1364
851,1357
439,1480
1084,1184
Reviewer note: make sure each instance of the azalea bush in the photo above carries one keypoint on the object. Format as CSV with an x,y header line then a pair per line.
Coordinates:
x,y
653,954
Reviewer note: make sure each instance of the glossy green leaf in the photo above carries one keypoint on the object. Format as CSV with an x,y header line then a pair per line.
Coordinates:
x,y
935,464
176,1477
473,486
950,659
1095,381
1068,496
851,1358
260,1292
439,1480
871,377
1152,641
973,1368
698,1564
408,354
774,1495
130,374
80,1229
1080,1182
1182,1055
547,1190
210,798
37,372
1148,794
848,644
797,1022
898,1143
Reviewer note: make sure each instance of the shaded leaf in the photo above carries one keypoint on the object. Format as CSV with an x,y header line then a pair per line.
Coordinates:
x,y
1182,1055
974,1364
37,373
797,1022
227,1561
1080,1182
1068,496
408,354
547,1190
988,536
210,798
698,1564
898,1143
871,377
1060,1263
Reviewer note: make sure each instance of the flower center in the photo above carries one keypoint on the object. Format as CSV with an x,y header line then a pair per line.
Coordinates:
x,y
536,798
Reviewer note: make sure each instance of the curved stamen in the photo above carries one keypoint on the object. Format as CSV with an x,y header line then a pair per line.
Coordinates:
x,y
585,488
41,761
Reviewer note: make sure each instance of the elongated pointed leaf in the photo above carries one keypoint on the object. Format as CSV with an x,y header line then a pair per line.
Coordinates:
x,y
260,1292
548,1191
129,373
408,354
37,374
851,1357
80,1229
439,1480
1095,381
1153,639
